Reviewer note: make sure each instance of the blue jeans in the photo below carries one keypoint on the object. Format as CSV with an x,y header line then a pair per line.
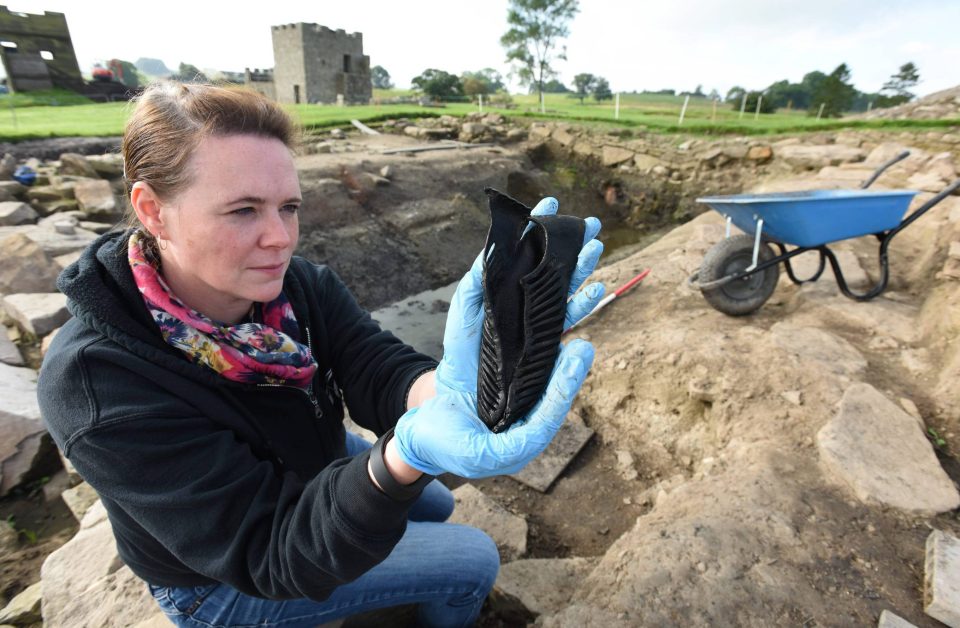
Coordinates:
x,y
446,569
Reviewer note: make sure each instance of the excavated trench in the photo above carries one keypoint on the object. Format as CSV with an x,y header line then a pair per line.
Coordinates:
x,y
433,216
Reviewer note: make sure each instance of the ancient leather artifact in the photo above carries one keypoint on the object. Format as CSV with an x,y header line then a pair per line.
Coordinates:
x,y
526,278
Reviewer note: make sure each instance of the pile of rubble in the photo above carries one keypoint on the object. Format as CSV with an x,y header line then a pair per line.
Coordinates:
x,y
943,105
474,127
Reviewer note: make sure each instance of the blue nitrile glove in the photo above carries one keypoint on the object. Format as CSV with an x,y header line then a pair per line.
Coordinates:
x,y
446,435
461,337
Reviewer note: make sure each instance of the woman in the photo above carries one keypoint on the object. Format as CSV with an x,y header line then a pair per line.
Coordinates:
x,y
199,389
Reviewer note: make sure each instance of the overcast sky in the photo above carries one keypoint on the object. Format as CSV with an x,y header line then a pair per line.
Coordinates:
x,y
636,45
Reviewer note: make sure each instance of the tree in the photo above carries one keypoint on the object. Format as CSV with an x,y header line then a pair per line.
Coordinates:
x,y
835,93
584,85
811,82
734,94
897,89
189,73
485,81
536,27
380,78
601,89
439,85
786,94
553,86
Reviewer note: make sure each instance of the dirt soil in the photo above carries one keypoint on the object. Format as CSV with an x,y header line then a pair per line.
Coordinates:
x,y
42,526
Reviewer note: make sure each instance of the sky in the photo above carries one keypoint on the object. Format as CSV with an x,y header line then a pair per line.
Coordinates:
x,y
634,44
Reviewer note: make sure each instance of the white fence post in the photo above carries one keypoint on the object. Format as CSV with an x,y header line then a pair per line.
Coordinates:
x,y
756,115
616,108
743,105
683,111
820,113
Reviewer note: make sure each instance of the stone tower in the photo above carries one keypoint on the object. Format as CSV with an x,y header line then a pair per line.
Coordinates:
x,y
37,52
314,64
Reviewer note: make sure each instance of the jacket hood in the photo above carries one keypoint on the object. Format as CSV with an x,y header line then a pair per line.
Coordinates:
x,y
103,295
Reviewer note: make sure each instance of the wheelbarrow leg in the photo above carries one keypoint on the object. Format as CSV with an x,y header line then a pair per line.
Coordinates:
x,y
791,274
842,282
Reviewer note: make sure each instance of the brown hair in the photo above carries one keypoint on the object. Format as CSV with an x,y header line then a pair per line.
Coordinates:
x,y
170,119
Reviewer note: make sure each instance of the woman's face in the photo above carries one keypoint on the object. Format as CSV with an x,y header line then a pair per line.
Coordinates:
x,y
229,236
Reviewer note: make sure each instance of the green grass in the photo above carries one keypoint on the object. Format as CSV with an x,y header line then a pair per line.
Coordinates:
x,y
638,112
49,97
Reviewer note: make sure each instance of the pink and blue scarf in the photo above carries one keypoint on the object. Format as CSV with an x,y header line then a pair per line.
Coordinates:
x,y
264,351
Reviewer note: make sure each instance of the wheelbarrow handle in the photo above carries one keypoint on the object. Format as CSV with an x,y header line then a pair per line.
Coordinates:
x,y
947,191
876,174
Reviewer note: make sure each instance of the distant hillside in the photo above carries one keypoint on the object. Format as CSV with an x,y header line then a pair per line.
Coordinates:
x,y
153,67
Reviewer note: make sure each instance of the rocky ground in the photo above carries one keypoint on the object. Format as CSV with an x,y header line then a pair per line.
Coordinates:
x,y
785,467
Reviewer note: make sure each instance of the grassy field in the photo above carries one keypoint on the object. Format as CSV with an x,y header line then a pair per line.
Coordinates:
x,y
25,117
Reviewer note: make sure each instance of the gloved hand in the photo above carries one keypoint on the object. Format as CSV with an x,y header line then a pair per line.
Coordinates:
x,y
461,337
446,435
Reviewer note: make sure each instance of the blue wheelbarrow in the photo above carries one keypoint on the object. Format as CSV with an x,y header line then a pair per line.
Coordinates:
x,y
740,273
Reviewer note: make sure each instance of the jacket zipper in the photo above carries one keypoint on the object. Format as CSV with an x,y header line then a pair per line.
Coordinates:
x,y
317,413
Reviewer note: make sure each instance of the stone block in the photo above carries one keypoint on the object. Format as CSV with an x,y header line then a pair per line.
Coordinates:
x,y
645,163
16,213
543,470
881,454
21,429
25,267
96,198
76,164
109,166
80,499
76,566
760,153
584,148
615,155
58,483
816,157
544,585
117,600
12,188
44,193
9,352
954,252
24,608
563,137
37,313
539,131
50,241
509,531
8,164
891,620
941,579
927,182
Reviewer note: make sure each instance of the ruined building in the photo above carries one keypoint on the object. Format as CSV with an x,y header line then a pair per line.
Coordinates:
x,y
314,64
37,52
260,81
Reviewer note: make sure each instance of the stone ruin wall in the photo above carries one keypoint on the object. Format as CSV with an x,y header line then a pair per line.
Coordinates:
x,y
315,64
25,37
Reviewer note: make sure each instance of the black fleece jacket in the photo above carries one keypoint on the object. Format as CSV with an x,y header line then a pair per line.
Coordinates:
x,y
207,480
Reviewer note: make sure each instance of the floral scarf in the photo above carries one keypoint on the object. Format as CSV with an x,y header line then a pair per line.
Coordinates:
x,y
265,351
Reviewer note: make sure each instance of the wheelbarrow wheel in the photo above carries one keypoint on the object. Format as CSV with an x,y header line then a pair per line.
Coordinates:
x,y
740,296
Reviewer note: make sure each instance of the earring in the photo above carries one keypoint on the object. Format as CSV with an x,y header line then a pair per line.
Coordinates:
x,y
160,241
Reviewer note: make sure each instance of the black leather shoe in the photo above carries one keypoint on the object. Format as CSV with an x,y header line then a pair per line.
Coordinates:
x,y
526,278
